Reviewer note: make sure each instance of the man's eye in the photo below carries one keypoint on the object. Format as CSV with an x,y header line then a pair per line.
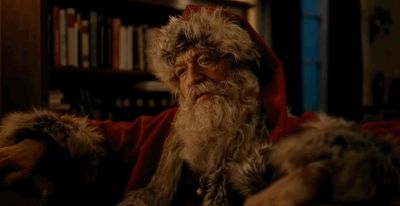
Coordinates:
x,y
180,72
205,60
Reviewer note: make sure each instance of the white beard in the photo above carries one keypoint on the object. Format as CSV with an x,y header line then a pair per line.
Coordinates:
x,y
213,129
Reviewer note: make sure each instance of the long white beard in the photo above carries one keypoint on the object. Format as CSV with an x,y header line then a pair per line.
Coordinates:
x,y
213,129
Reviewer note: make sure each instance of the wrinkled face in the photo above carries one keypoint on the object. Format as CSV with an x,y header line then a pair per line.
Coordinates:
x,y
195,66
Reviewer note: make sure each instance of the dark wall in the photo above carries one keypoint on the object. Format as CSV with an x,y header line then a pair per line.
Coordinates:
x,y
344,96
344,60
285,26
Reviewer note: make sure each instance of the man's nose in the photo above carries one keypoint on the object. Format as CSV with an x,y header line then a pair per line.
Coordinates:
x,y
194,75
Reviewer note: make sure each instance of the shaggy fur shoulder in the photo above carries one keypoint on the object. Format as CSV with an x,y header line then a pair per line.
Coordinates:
x,y
77,140
358,166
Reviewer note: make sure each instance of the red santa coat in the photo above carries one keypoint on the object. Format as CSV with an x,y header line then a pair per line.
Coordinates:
x,y
140,142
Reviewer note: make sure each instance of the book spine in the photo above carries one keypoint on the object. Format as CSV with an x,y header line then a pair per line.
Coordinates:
x,y
93,39
150,37
78,39
63,38
72,40
108,45
135,48
85,43
141,47
101,56
116,26
129,49
56,35
122,48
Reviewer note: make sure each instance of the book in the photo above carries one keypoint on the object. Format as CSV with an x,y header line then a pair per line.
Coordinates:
x,y
55,97
63,37
129,48
84,46
122,48
56,102
108,42
60,107
56,35
72,38
49,38
135,48
150,86
116,27
141,43
150,38
79,39
93,39
101,40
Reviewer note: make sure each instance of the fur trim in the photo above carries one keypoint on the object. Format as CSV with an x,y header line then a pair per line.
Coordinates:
x,y
73,135
358,167
69,132
202,29
254,173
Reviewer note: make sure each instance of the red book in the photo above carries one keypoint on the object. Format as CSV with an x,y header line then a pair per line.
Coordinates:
x,y
116,26
56,35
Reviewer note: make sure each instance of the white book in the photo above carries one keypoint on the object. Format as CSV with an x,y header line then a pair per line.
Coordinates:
x,y
150,86
55,101
63,38
56,94
150,39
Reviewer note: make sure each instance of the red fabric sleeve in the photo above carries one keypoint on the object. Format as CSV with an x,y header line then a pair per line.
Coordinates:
x,y
291,126
384,127
378,128
139,142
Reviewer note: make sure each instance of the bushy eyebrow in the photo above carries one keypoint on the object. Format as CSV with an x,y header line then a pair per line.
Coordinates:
x,y
197,54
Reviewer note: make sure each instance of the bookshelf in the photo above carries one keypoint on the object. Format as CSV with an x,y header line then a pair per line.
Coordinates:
x,y
36,73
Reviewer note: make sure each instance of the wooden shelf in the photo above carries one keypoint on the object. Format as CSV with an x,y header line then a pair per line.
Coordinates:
x,y
180,5
105,72
69,78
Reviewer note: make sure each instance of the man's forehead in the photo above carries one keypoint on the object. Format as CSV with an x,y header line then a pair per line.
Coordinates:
x,y
194,52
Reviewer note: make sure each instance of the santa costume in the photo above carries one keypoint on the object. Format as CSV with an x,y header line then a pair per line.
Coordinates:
x,y
108,158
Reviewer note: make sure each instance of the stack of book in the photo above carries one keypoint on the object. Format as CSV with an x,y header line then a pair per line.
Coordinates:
x,y
56,102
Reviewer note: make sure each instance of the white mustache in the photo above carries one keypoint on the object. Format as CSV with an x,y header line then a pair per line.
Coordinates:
x,y
206,87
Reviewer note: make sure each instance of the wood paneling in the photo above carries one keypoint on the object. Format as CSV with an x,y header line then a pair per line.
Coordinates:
x,y
23,53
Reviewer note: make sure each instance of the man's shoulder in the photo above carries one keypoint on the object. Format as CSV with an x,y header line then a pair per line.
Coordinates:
x,y
161,121
166,115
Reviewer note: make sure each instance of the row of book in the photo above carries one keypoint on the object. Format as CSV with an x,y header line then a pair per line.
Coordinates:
x,y
93,40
